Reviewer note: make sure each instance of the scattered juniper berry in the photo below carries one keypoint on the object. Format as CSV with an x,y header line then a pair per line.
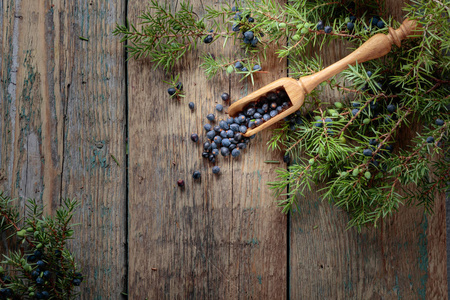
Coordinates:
x,y
216,170
327,29
208,39
380,24
256,68
207,127
235,152
430,139
219,107
171,91
191,105
391,108
225,96
350,26
194,137
355,111
224,151
244,69
196,175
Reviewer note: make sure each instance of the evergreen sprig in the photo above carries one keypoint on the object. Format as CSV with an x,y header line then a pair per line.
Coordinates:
x,y
354,147
38,264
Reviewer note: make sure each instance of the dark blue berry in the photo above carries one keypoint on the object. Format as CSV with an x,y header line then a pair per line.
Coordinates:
x,y
40,264
439,122
194,137
171,91
380,24
287,158
265,107
223,134
242,145
352,19
285,105
216,170
224,125
246,41
217,139
215,152
230,121
328,29
225,96
256,68
318,123
350,26
211,134
372,142
231,147
249,35
243,128
236,27
219,107
235,152
196,175
207,146
266,117
391,108
250,19
369,73
273,113
328,120
230,133
45,294
191,105
224,151
234,127
31,258
38,253
47,274
240,119
279,108
238,65
40,281
430,139
234,8
356,104
35,274
367,152
320,25
237,137
179,86
244,69
257,115
212,158
238,16
77,282
355,111
207,127
39,295
226,142
211,117
251,124
217,129
213,145
374,21
254,42
208,39
250,112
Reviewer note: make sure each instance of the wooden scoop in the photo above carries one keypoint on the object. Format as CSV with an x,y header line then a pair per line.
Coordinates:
x,y
375,47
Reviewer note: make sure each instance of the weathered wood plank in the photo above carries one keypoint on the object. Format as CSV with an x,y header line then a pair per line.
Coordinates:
x,y
218,238
405,258
63,103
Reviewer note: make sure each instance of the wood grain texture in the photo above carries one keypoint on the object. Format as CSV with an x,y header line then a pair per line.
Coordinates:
x,y
62,107
219,238
403,259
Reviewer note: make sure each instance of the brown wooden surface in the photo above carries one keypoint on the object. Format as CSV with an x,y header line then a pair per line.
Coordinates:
x,y
218,238
63,107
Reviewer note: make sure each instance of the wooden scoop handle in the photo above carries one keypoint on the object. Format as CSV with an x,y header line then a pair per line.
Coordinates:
x,y
375,47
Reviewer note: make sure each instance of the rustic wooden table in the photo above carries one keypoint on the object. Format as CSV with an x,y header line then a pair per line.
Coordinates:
x,y
78,121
